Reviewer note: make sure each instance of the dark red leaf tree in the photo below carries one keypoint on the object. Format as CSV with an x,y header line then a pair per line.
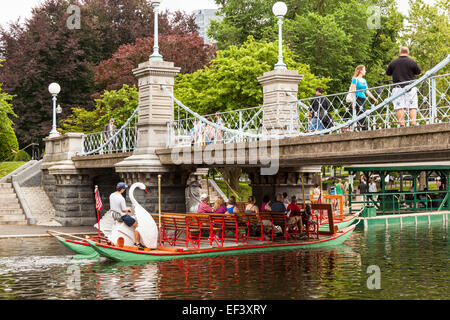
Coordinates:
x,y
186,50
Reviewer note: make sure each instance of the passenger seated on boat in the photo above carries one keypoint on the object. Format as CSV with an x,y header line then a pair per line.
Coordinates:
x,y
294,215
117,203
232,205
278,205
307,217
253,208
265,207
220,206
204,207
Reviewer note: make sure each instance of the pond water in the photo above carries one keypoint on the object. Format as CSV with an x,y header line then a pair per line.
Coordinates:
x,y
412,263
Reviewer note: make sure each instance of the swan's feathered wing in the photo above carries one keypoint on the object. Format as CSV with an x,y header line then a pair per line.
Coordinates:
x,y
147,227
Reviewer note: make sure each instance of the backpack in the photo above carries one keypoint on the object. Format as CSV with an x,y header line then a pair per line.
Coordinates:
x,y
349,96
116,216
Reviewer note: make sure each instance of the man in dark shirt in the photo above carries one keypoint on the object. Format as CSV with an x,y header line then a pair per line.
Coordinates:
x,y
318,112
278,205
404,69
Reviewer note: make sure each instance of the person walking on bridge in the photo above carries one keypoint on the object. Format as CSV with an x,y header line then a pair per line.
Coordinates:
x,y
359,84
404,69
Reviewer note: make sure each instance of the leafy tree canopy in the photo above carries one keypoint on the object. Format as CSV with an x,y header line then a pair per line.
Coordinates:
x,y
230,81
117,104
8,140
331,36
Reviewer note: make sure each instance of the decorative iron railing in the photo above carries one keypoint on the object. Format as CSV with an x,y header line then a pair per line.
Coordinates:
x,y
104,142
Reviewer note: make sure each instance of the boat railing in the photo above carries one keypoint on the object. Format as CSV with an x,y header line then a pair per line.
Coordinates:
x,y
403,202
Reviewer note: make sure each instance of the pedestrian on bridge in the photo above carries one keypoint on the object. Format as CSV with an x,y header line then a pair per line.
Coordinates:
x,y
359,84
110,130
402,70
318,113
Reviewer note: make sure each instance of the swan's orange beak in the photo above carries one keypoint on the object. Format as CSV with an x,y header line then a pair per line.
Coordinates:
x,y
146,191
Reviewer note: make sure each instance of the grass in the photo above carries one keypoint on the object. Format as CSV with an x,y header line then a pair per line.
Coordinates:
x,y
10,166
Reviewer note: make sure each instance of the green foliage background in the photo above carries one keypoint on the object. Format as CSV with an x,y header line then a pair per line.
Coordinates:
x,y
8,140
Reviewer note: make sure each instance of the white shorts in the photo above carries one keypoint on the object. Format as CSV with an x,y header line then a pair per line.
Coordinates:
x,y
406,101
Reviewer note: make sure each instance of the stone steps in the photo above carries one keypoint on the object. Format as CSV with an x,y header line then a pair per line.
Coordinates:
x,y
11,212
213,195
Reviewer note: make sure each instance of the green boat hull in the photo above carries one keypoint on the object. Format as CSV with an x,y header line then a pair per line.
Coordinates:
x,y
123,255
83,251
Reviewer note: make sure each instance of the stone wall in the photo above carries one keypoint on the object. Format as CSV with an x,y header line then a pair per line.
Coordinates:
x,y
72,197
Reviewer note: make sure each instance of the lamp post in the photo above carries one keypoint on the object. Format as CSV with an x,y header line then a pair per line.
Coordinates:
x,y
156,56
54,89
279,9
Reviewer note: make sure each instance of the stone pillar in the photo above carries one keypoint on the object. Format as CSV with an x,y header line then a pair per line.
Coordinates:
x,y
155,111
280,116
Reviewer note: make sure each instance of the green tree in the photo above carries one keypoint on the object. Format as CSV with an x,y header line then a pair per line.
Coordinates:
x,y
230,81
428,32
331,36
117,104
8,140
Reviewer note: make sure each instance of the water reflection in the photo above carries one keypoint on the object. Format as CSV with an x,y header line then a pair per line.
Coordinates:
x,y
413,263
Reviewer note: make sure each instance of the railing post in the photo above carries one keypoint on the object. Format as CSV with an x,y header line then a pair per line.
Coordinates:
x,y
101,139
83,149
433,100
240,126
124,141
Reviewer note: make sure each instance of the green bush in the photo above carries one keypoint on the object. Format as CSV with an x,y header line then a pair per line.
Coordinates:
x,y
8,144
22,155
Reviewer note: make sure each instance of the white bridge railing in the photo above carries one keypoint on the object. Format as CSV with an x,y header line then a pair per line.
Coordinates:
x,y
104,142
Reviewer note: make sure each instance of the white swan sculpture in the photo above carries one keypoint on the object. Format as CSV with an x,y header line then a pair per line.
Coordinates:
x,y
146,225
147,228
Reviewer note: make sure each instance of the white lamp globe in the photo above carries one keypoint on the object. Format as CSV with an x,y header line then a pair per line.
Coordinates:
x,y
54,88
279,9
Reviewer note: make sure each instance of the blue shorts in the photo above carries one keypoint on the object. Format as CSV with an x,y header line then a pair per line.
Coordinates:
x,y
129,221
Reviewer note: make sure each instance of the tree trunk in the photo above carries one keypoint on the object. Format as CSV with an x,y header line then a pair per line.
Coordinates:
x,y
232,175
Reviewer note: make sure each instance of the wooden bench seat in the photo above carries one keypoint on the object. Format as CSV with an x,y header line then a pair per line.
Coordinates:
x,y
237,226
180,229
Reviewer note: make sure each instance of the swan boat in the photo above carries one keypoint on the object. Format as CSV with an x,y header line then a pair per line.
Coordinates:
x,y
118,245
127,254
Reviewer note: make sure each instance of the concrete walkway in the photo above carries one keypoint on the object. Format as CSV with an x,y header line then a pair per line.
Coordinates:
x,y
20,231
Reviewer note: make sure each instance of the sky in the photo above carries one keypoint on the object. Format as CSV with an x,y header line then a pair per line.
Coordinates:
x,y
22,8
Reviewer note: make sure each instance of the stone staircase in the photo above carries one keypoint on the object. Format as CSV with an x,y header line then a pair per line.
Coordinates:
x,y
213,194
11,212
